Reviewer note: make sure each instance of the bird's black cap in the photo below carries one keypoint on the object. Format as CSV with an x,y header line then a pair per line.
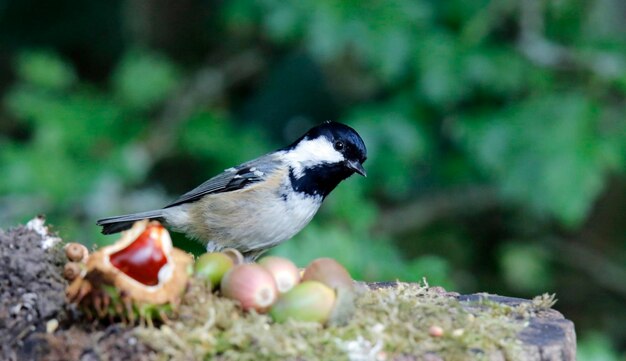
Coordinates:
x,y
354,147
323,178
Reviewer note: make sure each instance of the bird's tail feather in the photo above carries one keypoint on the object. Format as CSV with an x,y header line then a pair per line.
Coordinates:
x,y
120,223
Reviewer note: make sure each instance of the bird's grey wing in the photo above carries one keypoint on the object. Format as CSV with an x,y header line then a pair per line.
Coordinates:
x,y
232,179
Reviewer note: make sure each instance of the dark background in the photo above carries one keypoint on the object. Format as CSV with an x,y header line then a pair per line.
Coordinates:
x,y
496,130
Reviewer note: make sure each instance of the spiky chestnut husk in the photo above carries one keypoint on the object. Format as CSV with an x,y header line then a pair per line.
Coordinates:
x,y
211,267
139,277
285,273
309,301
251,285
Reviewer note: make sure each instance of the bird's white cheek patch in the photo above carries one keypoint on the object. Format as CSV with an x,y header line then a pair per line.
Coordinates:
x,y
312,152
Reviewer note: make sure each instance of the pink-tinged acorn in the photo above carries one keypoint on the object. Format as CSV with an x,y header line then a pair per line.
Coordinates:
x,y
252,285
329,272
285,273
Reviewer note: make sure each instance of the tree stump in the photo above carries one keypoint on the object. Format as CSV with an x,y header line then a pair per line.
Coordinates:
x,y
35,323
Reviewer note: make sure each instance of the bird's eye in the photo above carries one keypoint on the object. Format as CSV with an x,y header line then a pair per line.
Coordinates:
x,y
339,145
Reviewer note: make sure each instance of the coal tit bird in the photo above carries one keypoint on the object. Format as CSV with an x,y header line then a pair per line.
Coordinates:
x,y
261,203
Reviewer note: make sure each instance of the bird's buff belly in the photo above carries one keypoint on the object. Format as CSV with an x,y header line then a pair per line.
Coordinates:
x,y
221,222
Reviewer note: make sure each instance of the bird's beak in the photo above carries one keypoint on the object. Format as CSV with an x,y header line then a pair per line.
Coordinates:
x,y
357,167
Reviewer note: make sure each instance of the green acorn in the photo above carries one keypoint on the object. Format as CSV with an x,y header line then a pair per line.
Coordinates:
x,y
334,275
212,267
310,301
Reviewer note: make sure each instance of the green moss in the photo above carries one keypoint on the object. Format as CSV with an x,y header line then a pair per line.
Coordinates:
x,y
389,323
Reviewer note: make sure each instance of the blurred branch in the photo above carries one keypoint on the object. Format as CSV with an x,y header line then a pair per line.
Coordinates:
x,y
424,211
533,44
600,268
205,88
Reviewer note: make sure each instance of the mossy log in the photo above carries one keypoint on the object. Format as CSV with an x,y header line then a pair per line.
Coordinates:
x,y
548,337
36,324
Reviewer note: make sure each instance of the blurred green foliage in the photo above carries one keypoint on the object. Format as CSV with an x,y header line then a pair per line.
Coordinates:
x,y
496,130
597,347
143,79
